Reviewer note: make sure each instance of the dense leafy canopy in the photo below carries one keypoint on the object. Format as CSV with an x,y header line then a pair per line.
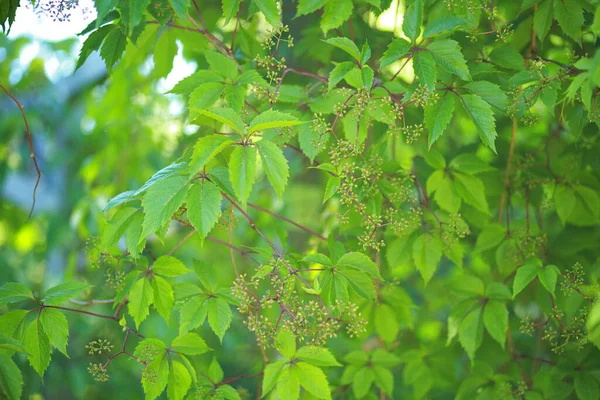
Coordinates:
x,y
362,199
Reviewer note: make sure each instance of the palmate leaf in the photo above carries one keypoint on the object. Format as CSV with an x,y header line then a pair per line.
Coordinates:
x,y
242,171
309,6
113,47
448,56
397,49
38,347
424,67
219,316
13,292
347,45
163,297
141,296
270,10
224,115
275,165
272,119
338,73
483,117
335,13
161,201
179,382
413,19
56,327
11,380
438,116
313,380
203,206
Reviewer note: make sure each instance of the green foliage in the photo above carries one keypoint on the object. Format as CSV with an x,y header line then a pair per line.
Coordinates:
x,y
408,187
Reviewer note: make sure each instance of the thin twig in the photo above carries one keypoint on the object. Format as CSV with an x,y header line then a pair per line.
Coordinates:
x,y
31,151
281,217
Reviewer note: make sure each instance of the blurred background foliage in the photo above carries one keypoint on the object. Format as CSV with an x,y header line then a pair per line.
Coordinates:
x,y
97,136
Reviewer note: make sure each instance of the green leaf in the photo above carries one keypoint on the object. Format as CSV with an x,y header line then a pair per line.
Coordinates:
x,y
205,150
333,184
274,164
495,317
230,9
313,380
180,381
272,119
564,202
38,348
525,274
424,67
288,385
413,19
215,372
470,333
271,375
362,382
367,76
490,237
11,345
347,45
180,7
205,95
360,262
11,379
219,316
203,206
286,343
188,84
548,277
365,53
62,292
190,344
113,47
161,201
490,92
118,225
442,25
56,327
507,57
169,266
318,356
586,386
192,314
569,15
242,171
483,117
157,378
338,73
438,116
224,115
386,324
448,56
270,10
308,6
471,190
397,49
498,291
470,164
221,64
384,359
119,199
93,42
163,297
384,379
13,292
542,19
335,13
170,170
12,323
235,96
427,253
141,297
